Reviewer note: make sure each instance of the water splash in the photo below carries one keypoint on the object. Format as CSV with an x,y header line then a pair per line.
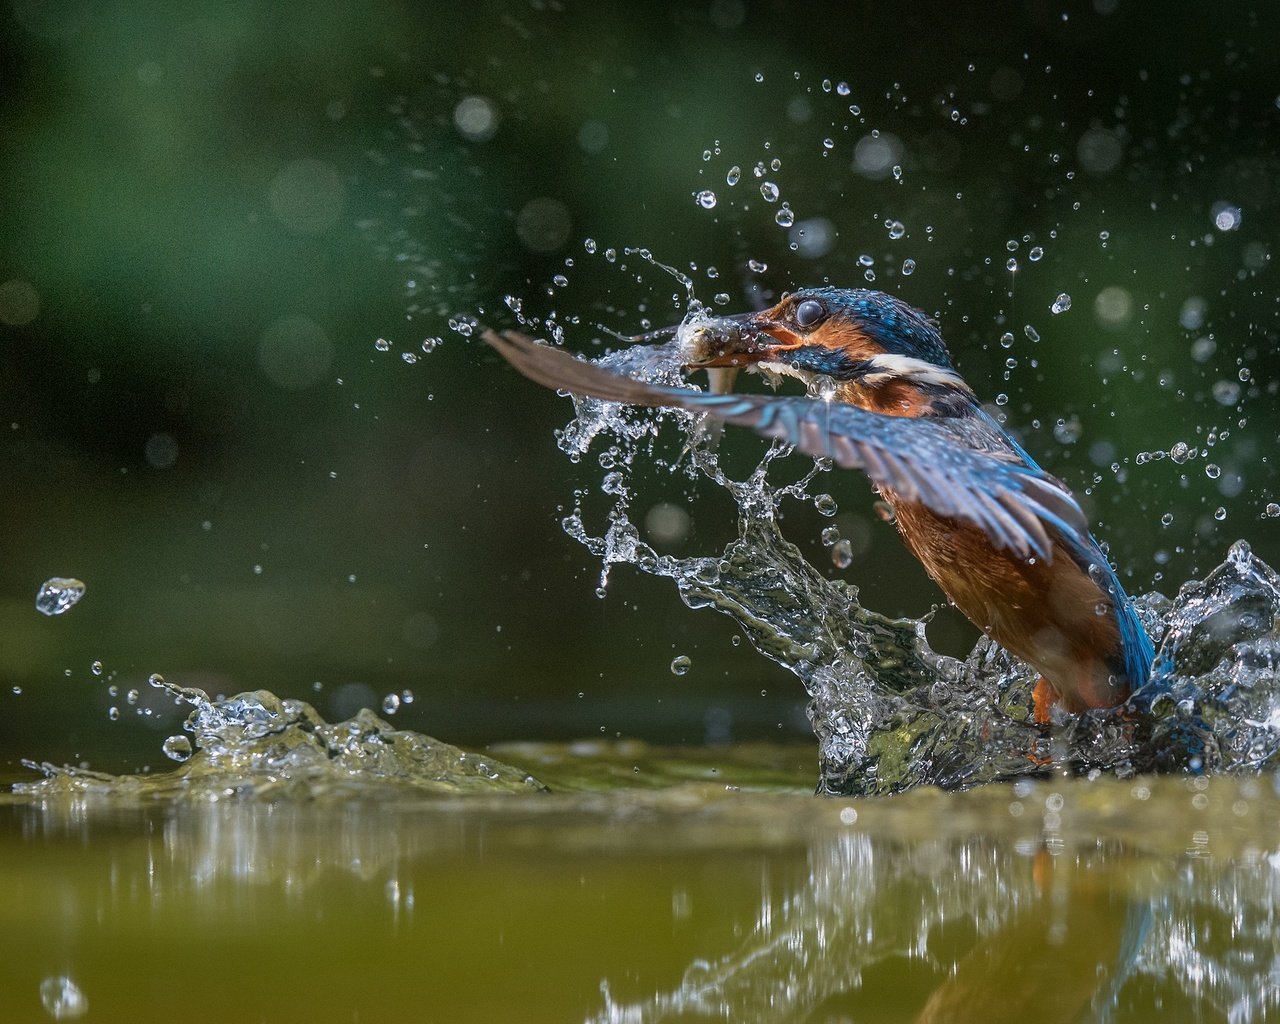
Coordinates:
x,y
888,711
256,745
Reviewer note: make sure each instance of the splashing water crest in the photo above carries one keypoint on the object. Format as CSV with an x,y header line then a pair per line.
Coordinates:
x,y
255,745
889,712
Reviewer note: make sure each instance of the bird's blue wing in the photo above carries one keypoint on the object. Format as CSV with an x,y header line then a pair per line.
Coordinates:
x,y
1015,503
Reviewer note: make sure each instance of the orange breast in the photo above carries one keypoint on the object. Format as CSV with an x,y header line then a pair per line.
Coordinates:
x,y
1050,614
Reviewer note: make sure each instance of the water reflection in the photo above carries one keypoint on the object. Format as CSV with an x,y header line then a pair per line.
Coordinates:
x,y
1051,901
1067,925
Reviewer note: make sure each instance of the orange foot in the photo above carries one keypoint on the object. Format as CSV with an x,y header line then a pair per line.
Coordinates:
x,y
1043,698
1042,871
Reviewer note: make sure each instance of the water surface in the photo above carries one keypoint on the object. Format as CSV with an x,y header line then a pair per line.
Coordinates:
x,y
647,885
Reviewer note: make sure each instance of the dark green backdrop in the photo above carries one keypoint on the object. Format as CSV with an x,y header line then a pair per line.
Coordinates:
x,y
212,212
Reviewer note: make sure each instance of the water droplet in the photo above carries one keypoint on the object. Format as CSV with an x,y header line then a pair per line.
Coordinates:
x,y
830,535
825,504
1220,513
706,199
1166,519
613,483
1006,340
391,704
1011,265
734,175
1036,254
1272,511
908,267
560,281
784,217
1226,217
757,266
113,713
842,554
759,76
1061,304
176,748
1002,399
681,664
409,357
382,345
57,594
589,244
1032,334
770,191
1212,470
96,668
896,228
62,998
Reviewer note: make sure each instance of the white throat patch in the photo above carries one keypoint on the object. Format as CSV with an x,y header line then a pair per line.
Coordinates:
x,y
884,368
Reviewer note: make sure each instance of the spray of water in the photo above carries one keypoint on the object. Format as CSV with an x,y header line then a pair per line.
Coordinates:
x,y
888,711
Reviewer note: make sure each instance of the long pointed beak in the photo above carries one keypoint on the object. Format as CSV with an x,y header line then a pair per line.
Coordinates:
x,y
731,341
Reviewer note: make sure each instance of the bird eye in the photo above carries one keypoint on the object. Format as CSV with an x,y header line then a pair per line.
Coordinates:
x,y
809,312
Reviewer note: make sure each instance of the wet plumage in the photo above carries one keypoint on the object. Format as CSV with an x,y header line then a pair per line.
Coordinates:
x,y
1004,540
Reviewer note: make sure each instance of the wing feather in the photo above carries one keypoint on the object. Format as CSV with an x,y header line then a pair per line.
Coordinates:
x,y
1010,498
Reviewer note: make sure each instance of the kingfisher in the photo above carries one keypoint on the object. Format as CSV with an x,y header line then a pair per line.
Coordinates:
x,y
1005,541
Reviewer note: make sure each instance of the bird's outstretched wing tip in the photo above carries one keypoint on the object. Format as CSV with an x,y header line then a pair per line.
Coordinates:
x,y
559,369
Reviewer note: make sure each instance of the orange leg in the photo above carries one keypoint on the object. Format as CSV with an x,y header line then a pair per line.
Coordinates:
x,y
1043,698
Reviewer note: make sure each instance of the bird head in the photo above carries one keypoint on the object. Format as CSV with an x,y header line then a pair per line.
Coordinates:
x,y
879,352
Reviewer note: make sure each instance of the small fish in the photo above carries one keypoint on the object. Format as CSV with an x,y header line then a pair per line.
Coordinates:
x,y
715,344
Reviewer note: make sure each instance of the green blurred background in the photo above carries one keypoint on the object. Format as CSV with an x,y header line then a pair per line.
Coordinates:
x,y
213,213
